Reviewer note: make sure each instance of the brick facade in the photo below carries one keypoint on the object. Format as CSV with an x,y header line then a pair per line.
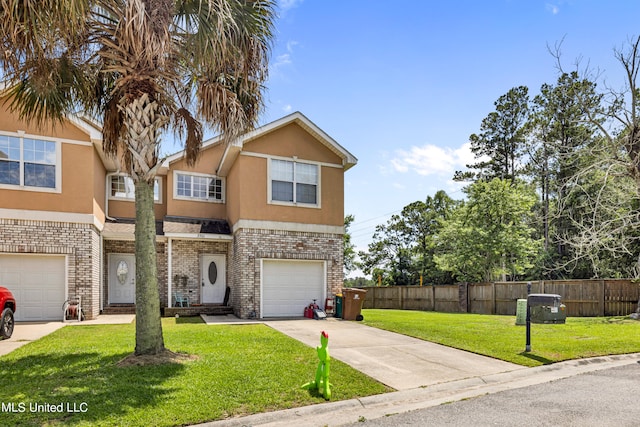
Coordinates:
x,y
81,245
252,245
79,242
185,265
128,247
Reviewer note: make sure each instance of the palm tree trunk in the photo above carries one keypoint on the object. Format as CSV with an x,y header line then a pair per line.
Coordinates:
x,y
148,321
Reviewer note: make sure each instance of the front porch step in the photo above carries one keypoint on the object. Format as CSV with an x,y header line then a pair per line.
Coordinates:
x,y
119,309
210,309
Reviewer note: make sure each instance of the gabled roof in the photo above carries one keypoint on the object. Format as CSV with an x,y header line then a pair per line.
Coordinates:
x,y
232,150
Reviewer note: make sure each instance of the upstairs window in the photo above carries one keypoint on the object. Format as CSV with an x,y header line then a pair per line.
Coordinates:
x,y
28,162
294,182
123,188
199,187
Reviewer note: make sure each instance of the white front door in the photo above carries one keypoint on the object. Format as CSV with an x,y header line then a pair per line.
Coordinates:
x,y
213,278
122,278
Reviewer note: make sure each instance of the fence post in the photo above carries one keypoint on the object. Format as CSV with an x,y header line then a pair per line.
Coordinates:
x,y
601,300
433,297
493,297
463,300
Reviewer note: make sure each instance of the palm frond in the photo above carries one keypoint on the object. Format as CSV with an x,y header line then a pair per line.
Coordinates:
x,y
228,44
187,126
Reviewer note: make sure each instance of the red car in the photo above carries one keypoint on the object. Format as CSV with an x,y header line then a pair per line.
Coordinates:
x,y
8,305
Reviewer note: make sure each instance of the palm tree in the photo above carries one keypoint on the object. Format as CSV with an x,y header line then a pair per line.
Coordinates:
x,y
142,67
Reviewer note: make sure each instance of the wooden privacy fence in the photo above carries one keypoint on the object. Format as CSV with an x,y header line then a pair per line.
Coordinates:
x,y
583,298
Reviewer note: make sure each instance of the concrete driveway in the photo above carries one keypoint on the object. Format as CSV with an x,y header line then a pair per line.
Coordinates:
x,y
25,332
396,360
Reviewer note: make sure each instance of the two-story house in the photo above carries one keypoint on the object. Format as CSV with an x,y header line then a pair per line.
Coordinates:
x,y
257,223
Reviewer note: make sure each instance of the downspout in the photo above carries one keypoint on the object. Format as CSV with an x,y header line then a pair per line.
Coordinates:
x,y
102,255
101,280
106,196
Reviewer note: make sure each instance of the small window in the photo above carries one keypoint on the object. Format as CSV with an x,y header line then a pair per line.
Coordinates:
x,y
122,187
199,187
294,182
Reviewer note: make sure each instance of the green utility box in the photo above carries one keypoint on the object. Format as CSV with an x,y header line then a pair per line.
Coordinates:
x,y
521,312
546,308
338,306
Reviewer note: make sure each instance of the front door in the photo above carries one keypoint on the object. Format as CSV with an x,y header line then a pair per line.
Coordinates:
x,y
122,278
213,279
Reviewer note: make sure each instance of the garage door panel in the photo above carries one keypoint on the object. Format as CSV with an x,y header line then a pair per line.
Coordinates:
x,y
289,286
33,279
38,284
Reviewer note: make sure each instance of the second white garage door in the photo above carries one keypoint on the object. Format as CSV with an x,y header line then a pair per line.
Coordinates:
x,y
289,286
37,283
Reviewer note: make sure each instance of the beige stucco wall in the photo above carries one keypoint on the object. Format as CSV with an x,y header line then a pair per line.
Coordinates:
x,y
127,208
10,122
82,190
77,195
292,140
249,175
246,184
207,164
99,188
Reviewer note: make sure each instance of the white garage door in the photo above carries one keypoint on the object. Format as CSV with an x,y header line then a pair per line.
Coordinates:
x,y
37,283
289,286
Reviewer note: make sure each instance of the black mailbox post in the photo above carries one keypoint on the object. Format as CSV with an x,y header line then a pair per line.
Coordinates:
x,y
544,308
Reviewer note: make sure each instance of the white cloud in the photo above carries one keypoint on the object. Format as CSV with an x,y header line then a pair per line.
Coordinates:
x,y
281,60
290,45
554,9
284,59
286,5
287,108
433,160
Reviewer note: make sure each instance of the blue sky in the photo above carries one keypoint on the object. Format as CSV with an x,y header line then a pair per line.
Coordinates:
x,y
402,84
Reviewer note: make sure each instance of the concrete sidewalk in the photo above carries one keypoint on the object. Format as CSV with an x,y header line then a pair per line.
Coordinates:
x,y
25,332
396,360
355,410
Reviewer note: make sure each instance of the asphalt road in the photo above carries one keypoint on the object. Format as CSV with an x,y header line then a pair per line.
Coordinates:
x,y
609,397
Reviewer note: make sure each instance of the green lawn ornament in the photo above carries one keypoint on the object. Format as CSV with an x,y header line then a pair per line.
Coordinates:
x,y
322,372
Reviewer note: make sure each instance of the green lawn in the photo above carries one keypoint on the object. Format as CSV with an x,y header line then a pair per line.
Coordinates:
x,y
499,337
242,369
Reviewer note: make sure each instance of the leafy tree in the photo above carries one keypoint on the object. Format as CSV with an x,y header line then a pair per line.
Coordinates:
x,y
349,249
602,209
604,214
560,136
389,251
405,245
423,222
500,144
142,67
358,282
490,236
